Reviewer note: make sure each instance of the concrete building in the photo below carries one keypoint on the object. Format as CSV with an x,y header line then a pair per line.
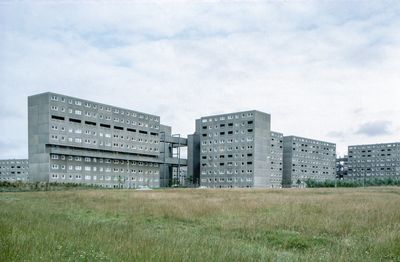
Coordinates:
x,y
13,170
374,161
72,140
342,167
305,158
233,150
276,160
193,167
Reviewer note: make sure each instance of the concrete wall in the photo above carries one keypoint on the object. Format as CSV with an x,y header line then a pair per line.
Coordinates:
x,y
38,137
374,161
262,148
234,149
194,158
305,158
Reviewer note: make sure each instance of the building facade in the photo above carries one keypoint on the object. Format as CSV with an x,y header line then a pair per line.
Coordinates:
x,y
13,170
72,140
342,164
276,160
305,158
374,161
234,149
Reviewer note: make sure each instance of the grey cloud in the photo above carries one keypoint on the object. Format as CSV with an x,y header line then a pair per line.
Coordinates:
x,y
375,128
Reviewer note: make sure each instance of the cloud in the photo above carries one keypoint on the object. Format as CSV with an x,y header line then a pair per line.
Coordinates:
x,y
314,66
375,128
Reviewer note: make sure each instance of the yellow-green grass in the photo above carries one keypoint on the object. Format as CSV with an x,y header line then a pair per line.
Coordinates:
x,y
360,224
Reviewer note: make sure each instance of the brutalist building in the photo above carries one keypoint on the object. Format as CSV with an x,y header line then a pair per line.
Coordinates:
x,y
72,140
374,161
276,160
13,170
305,158
233,150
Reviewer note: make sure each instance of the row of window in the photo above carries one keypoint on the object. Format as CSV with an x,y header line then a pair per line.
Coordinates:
x,y
361,174
227,179
93,142
221,157
105,108
105,125
371,165
222,118
375,156
313,157
207,150
102,160
378,160
103,169
332,149
313,171
313,142
228,125
376,146
228,141
13,167
13,173
229,163
228,172
141,138
102,178
10,162
223,133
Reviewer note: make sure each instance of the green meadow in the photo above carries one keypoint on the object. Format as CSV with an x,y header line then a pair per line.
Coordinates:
x,y
330,224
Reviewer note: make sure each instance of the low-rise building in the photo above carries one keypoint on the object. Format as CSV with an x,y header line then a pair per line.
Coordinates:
x,y
13,170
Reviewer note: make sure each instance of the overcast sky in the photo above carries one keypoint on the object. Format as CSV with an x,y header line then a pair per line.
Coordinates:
x,y
328,70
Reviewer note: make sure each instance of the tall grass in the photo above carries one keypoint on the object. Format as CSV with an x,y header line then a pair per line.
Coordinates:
x,y
201,225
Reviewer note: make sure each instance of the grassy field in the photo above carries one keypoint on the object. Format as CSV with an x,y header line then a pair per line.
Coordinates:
x,y
201,225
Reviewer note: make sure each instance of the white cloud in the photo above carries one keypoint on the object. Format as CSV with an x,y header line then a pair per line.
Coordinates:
x,y
321,68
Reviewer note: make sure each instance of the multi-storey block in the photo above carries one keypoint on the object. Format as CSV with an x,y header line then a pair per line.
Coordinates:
x,y
72,140
276,160
305,158
13,170
374,161
234,149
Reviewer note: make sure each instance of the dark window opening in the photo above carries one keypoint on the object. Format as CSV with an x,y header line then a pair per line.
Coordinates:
x,y
90,123
57,117
75,120
118,127
131,130
143,132
104,125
